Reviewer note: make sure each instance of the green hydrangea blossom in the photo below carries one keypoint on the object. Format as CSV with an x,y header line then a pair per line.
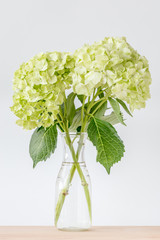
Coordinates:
x,y
39,87
113,64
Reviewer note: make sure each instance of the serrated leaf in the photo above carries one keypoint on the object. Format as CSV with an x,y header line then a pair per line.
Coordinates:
x,y
111,118
116,109
109,146
124,106
70,107
43,143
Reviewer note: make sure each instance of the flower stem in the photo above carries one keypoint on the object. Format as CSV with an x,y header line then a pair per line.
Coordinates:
x,y
75,157
63,194
75,166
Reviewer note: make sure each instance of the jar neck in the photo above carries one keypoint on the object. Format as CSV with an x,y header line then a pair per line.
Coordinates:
x,y
73,146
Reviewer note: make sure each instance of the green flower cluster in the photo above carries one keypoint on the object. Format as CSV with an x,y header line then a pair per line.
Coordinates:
x,y
112,63
39,87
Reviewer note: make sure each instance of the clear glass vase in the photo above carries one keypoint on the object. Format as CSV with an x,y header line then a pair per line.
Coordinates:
x,y
73,186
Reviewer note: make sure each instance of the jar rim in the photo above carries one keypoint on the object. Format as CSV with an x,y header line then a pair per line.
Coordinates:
x,y
74,133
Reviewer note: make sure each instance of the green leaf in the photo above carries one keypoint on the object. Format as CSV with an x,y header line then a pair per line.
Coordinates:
x,y
61,129
109,146
43,143
76,122
85,106
111,118
101,110
101,95
80,97
116,109
124,106
70,107
62,107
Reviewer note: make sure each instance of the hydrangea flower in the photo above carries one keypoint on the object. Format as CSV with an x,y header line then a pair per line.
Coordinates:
x,y
39,86
112,63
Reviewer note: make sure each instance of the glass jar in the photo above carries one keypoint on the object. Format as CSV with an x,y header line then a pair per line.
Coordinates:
x,y
73,186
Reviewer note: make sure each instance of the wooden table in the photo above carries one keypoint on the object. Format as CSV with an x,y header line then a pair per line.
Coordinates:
x,y
95,233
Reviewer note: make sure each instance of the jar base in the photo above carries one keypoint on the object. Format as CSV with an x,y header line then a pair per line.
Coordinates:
x,y
73,229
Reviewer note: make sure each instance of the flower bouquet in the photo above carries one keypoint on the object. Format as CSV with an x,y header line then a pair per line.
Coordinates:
x,y
102,78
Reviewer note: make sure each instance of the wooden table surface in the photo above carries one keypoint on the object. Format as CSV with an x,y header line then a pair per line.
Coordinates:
x,y
95,233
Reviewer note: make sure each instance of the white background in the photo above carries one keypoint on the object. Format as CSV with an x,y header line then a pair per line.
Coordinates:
x,y
130,195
